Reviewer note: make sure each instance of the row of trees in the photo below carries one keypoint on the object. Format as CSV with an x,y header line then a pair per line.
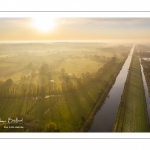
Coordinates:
x,y
146,69
144,54
100,58
25,88
13,90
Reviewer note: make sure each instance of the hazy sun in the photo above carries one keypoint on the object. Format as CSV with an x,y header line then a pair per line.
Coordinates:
x,y
43,24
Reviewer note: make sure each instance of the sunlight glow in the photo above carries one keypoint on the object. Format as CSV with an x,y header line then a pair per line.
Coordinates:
x,y
43,24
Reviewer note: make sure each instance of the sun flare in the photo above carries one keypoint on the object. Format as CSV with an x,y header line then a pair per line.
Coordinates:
x,y
44,24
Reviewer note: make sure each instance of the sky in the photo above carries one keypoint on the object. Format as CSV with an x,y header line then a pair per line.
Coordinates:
x,y
74,29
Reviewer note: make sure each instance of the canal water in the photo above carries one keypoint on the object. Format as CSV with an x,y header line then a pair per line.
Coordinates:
x,y
146,91
105,118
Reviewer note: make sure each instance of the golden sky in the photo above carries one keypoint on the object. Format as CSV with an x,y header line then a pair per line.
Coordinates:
x,y
74,28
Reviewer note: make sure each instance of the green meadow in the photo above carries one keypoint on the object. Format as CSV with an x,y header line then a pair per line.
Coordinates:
x,y
55,86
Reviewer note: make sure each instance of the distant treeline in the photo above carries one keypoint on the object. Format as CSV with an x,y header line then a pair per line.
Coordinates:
x,y
146,69
144,54
143,48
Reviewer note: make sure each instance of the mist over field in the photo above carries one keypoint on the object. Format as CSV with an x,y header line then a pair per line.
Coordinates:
x,y
18,60
53,82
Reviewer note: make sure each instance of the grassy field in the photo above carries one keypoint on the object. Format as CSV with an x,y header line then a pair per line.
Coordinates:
x,y
65,111
87,72
132,113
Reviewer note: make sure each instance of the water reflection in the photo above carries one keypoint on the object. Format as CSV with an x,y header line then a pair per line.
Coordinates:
x,y
146,91
105,118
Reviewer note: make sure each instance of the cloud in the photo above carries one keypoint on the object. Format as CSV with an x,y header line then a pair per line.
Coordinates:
x,y
76,28
128,22
14,23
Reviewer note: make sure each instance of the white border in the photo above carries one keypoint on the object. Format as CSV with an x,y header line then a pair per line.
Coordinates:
x,y
77,135
76,14
73,5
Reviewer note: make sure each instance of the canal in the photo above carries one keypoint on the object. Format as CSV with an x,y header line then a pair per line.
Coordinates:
x,y
105,118
146,90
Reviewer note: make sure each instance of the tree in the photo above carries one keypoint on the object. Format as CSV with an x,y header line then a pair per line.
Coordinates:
x,y
79,83
63,71
30,65
42,91
8,82
50,127
44,69
34,126
6,86
113,59
33,74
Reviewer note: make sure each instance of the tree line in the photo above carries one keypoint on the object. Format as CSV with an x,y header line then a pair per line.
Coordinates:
x,y
27,89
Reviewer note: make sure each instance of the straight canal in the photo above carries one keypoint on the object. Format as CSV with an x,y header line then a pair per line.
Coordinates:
x,y
146,91
105,118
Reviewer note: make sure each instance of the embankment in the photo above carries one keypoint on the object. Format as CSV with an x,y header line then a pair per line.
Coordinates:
x,y
132,113
100,100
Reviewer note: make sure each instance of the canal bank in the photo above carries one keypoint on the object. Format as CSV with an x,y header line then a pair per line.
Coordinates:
x,y
103,119
132,114
146,93
101,100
